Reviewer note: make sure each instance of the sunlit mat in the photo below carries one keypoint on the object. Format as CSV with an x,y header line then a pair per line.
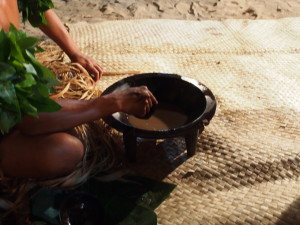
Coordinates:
x,y
247,166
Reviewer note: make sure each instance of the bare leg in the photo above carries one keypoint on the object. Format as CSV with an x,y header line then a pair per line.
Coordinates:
x,y
40,156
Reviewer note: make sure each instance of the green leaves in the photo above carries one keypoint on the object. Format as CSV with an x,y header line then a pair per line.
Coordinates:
x,y
25,84
4,46
33,10
8,95
7,72
7,119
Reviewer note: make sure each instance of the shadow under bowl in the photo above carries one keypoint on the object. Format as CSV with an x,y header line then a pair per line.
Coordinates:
x,y
185,95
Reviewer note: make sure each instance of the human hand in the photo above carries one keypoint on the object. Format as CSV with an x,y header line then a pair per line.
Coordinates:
x,y
136,100
91,65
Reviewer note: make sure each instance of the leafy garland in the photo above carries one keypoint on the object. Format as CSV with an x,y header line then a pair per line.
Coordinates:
x,y
25,84
33,10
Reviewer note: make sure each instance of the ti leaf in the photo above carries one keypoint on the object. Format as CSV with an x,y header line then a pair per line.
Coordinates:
x,y
4,46
29,81
28,42
33,10
7,72
25,83
7,120
15,50
30,68
26,107
8,95
47,74
17,65
47,105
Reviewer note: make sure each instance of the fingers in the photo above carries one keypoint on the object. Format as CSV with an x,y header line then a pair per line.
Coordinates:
x,y
137,101
95,70
100,70
149,99
90,65
153,99
148,106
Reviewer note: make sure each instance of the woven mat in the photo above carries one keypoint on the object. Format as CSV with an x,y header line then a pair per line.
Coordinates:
x,y
247,166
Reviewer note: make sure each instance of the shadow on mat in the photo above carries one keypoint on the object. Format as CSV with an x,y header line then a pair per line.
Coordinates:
x,y
128,199
291,215
156,159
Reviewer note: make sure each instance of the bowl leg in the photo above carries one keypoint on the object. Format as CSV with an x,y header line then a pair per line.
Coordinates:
x,y
130,144
191,141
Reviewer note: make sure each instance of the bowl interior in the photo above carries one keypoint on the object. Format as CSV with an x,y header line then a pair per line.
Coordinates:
x,y
177,93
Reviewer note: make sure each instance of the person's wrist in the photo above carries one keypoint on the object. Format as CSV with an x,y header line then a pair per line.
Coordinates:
x,y
74,55
110,104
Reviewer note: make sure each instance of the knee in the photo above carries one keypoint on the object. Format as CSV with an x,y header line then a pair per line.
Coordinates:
x,y
64,155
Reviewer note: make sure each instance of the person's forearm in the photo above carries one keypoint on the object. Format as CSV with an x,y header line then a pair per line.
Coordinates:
x,y
73,113
58,33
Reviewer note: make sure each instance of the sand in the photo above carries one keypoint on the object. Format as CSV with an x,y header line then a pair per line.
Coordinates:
x,y
93,11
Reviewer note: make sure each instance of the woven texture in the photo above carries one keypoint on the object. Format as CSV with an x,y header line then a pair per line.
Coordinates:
x,y
247,166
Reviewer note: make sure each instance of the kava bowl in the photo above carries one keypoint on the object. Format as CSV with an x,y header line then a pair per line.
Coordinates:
x,y
185,107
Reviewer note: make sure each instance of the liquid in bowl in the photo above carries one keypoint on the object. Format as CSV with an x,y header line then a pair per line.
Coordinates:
x,y
165,117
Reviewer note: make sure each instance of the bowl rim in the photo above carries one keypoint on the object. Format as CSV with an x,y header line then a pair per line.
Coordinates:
x,y
200,121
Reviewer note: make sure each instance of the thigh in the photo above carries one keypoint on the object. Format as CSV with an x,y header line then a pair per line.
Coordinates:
x,y
41,156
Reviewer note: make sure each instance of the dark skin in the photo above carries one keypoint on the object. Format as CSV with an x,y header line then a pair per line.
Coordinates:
x,y
58,33
42,147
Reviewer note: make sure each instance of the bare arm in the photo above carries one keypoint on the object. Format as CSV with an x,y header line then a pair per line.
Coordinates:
x,y
58,33
73,113
136,101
